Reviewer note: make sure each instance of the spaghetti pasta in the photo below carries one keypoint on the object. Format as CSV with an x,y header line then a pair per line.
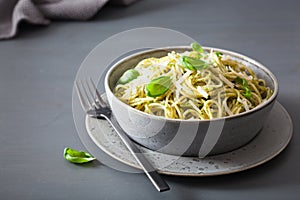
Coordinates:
x,y
201,85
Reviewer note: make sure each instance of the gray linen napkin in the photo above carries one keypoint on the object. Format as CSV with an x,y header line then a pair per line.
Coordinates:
x,y
12,12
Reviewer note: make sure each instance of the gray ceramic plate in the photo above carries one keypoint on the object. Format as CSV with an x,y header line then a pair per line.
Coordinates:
x,y
273,138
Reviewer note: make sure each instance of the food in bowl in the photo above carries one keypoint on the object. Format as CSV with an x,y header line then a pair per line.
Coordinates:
x,y
191,136
194,84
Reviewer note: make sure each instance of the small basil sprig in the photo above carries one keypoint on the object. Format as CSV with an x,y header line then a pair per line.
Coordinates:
x,y
128,76
219,54
247,92
75,156
193,63
158,86
197,47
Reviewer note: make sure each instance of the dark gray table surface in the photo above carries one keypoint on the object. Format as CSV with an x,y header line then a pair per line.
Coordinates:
x,y
38,68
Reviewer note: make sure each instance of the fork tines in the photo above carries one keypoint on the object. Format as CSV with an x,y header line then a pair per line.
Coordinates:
x,y
89,96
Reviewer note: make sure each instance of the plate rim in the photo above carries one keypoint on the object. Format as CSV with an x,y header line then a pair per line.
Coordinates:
x,y
114,156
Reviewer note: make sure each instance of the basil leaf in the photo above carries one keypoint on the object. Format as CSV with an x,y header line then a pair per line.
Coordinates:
x,y
241,81
197,47
219,54
247,93
128,76
245,86
186,64
193,63
158,86
75,156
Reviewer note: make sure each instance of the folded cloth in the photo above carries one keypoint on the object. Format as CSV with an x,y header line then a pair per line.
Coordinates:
x,y
12,12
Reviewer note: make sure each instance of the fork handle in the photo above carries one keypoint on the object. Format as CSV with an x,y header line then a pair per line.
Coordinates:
x,y
149,170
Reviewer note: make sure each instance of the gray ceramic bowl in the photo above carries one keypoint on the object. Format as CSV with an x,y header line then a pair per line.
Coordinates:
x,y
188,137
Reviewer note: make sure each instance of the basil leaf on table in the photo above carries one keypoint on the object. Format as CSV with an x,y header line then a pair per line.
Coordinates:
x,y
158,86
247,92
75,156
197,47
193,63
128,76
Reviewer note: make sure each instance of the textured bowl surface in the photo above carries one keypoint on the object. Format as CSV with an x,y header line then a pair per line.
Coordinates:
x,y
189,137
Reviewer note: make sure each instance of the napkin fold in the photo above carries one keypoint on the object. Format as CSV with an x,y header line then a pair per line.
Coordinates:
x,y
12,12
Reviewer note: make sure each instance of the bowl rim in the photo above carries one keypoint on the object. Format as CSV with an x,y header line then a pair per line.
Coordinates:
x,y
207,48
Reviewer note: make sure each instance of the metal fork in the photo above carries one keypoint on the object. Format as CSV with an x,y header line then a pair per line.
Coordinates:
x,y
94,106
